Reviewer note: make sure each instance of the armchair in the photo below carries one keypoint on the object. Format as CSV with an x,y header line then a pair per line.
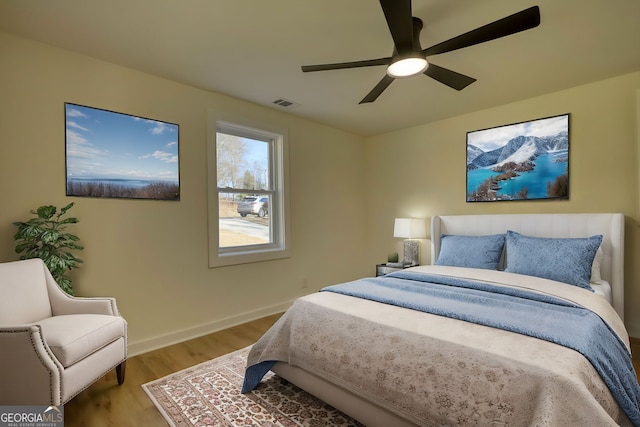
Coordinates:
x,y
52,345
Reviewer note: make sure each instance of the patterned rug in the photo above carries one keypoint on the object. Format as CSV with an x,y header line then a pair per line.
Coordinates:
x,y
209,395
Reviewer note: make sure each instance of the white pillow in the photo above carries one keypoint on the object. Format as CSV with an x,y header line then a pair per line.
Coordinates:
x,y
595,267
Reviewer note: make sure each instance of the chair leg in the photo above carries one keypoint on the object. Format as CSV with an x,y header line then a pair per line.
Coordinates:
x,y
120,370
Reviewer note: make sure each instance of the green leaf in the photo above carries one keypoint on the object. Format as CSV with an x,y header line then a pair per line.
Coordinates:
x,y
65,209
27,246
65,283
50,236
46,212
70,220
29,231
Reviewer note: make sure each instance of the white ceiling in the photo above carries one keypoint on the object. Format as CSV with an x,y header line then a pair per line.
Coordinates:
x,y
253,50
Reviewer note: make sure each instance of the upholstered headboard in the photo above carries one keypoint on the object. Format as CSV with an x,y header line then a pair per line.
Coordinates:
x,y
610,225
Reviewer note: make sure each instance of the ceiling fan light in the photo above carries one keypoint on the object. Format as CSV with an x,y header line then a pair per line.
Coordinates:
x,y
407,67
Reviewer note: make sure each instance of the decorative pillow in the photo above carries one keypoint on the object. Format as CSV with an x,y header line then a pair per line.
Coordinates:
x,y
567,260
471,251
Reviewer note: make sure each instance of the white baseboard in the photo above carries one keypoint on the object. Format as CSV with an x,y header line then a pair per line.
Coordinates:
x,y
144,346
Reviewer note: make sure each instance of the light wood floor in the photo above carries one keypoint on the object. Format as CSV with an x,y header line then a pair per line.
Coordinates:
x,y
105,404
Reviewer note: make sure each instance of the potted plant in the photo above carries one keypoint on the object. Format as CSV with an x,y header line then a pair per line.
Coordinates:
x,y
45,237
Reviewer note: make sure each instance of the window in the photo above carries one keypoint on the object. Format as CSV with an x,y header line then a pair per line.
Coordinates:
x,y
247,197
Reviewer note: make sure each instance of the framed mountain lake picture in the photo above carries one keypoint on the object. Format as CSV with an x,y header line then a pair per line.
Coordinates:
x,y
521,161
116,155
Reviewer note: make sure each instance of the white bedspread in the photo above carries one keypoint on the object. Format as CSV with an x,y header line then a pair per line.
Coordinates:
x,y
434,370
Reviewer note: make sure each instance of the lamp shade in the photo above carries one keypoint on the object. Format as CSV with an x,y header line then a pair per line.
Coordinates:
x,y
410,228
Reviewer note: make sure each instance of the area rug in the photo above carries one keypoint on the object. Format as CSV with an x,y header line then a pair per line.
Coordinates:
x,y
208,394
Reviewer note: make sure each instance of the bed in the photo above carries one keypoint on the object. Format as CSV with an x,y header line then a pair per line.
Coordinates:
x,y
432,357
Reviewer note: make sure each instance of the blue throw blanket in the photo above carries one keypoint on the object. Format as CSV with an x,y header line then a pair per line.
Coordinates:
x,y
504,308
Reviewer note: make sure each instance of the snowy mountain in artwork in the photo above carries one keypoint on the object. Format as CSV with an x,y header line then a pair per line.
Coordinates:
x,y
473,152
519,150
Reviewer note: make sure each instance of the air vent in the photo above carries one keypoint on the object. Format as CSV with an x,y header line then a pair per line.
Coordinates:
x,y
285,103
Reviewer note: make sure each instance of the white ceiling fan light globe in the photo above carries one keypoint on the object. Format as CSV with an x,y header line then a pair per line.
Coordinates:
x,y
407,67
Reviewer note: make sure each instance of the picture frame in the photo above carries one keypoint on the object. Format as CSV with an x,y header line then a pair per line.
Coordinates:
x,y
117,155
520,161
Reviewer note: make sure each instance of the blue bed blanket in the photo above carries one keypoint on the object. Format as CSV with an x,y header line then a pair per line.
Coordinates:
x,y
516,310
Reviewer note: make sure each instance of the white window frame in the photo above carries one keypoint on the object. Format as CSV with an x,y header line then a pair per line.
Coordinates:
x,y
279,245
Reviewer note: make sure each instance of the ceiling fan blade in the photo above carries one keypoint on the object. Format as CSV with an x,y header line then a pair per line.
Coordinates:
x,y
341,65
450,78
521,21
376,91
398,16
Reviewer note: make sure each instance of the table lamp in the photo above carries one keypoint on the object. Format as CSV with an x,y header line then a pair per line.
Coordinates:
x,y
410,229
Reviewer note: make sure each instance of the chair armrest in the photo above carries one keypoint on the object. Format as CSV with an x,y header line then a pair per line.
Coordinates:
x,y
29,372
63,303
77,305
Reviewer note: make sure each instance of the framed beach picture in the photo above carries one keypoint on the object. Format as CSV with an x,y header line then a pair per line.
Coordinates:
x,y
521,161
118,155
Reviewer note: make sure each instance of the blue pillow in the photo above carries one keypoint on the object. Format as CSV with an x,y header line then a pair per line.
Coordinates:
x,y
567,260
471,251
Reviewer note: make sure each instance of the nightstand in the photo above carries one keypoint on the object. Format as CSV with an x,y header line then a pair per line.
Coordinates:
x,y
384,269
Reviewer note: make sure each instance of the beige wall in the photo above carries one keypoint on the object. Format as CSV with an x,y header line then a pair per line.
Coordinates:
x,y
152,255
420,171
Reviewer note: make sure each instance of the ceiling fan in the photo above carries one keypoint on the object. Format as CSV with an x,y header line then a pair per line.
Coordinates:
x,y
409,59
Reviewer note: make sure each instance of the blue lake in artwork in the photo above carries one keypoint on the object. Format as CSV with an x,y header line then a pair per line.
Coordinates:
x,y
548,167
